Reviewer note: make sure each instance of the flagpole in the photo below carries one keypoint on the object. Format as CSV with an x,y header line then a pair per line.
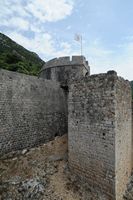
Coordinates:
x,y
81,46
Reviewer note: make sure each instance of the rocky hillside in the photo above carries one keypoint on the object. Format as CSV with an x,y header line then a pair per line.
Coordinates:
x,y
16,58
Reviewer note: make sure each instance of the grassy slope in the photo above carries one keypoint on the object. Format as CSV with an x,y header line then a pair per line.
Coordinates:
x,y
16,58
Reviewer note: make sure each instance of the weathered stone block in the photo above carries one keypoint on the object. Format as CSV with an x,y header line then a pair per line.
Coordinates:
x,y
99,132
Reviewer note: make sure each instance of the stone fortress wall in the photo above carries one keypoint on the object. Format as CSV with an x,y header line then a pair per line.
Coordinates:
x,y
123,137
65,69
96,110
32,111
100,133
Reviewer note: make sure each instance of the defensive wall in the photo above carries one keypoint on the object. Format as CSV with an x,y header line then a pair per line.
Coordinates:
x,y
100,132
95,110
32,111
65,69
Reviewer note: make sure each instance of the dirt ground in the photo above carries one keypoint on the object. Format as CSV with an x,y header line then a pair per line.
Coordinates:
x,y
38,173
42,173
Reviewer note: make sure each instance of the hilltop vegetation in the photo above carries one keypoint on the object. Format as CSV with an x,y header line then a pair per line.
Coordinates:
x,y
14,57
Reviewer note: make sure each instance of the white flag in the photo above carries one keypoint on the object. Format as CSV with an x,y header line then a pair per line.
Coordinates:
x,y
78,37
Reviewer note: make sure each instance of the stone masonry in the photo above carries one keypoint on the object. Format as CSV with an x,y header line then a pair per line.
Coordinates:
x,y
32,111
99,132
123,137
95,110
64,69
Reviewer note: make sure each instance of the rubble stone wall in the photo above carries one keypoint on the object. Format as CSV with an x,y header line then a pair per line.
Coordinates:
x,y
123,136
92,131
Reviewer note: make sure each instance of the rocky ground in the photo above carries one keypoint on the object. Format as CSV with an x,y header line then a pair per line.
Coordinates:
x,y
42,174
129,192
37,174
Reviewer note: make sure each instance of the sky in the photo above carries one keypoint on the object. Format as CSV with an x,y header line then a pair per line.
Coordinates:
x,y
48,27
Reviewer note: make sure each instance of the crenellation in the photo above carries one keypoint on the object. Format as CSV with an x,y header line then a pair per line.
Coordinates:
x,y
64,69
66,61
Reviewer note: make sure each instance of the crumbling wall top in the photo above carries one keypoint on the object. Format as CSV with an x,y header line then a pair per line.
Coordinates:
x,y
66,61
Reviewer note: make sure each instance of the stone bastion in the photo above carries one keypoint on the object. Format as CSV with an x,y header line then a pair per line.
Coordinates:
x,y
64,69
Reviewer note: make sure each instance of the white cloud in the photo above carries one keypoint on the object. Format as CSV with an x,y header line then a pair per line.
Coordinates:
x,y
40,43
36,28
49,10
11,8
30,16
43,44
13,15
43,10
15,22
26,14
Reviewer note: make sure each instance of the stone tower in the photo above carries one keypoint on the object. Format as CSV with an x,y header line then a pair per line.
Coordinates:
x,y
65,69
100,133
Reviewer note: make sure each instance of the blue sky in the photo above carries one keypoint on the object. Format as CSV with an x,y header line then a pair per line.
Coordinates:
x,y
47,27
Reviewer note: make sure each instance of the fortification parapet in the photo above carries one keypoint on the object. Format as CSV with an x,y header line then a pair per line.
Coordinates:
x,y
67,61
63,69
